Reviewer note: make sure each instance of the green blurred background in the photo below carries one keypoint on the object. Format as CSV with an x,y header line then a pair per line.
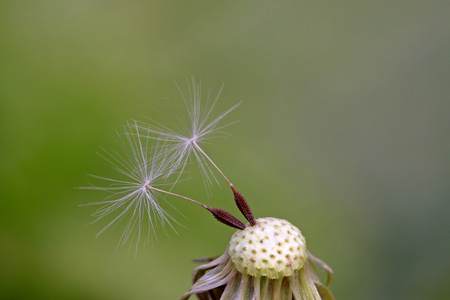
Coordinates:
x,y
344,131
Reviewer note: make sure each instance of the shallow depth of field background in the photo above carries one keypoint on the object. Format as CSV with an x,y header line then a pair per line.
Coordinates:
x,y
344,131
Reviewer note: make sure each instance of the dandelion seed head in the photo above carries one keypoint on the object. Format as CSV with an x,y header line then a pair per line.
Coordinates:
x,y
263,261
266,257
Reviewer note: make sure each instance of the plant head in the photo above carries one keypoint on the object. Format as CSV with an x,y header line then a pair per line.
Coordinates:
x,y
266,258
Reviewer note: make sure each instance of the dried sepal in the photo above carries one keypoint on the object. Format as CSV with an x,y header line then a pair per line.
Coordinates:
x,y
321,263
209,284
324,291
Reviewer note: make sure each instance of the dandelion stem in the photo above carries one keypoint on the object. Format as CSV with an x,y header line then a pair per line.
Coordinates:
x,y
210,160
176,195
240,201
221,215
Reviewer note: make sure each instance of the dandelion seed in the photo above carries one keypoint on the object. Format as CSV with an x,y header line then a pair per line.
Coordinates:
x,y
146,169
184,143
135,197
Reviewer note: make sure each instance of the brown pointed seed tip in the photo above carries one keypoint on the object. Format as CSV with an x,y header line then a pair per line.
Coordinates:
x,y
226,218
243,206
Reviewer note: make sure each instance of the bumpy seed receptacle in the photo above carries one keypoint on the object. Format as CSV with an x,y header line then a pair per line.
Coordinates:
x,y
266,261
273,248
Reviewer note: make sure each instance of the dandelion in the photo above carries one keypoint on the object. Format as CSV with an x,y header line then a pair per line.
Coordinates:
x,y
266,258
